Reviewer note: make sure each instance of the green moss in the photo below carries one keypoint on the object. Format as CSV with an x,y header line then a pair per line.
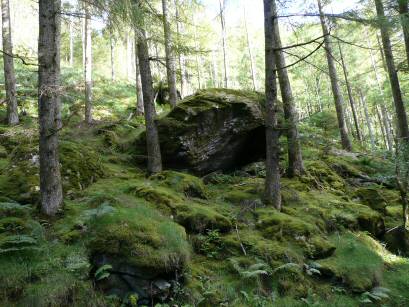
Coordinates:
x,y
200,218
140,237
371,197
189,185
323,177
81,165
354,263
274,224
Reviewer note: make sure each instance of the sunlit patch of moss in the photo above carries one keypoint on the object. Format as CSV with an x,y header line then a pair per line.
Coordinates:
x,y
354,262
141,237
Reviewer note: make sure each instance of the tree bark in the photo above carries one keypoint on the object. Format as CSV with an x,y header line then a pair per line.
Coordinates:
x,y
368,120
152,138
138,84
404,19
88,64
350,96
9,75
170,59
295,163
384,112
48,105
401,117
252,65
339,101
223,26
272,181
71,42
112,49
179,29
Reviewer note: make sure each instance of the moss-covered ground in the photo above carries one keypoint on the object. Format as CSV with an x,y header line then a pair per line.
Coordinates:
x,y
324,249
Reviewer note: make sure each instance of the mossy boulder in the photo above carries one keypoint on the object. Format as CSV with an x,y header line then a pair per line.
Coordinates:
x,y
189,185
355,262
199,218
143,249
214,129
274,224
372,197
321,176
397,241
81,166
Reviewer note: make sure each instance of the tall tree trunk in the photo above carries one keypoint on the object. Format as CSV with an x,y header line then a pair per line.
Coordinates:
x,y
272,181
318,92
401,117
71,41
381,126
152,138
384,112
138,84
223,26
88,65
48,104
350,96
112,49
170,59
179,29
249,48
295,163
339,101
404,19
368,120
9,75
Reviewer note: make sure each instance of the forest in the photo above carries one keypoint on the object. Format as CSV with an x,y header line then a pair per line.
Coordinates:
x,y
181,153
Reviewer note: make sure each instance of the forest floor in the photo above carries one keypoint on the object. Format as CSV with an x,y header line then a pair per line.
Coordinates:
x,y
211,238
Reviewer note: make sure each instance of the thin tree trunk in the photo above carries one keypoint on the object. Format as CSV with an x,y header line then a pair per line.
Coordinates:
x,y
48,104
9,75
152,138
272,181
71,41
179,29
170,59
401,117
249,48
318,91
339,101
88,65
384,112
215,69
112,49
223,26
368,120
138,84
295,163
382,127
404,19
350,96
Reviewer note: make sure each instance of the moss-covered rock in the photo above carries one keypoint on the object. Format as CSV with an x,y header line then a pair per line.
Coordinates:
x,y
354,262
139,237
274,224
189,185
323,177
200,218
372,197
81,166
215,129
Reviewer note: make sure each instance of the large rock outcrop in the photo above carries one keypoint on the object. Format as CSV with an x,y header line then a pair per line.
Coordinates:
x,y
214,129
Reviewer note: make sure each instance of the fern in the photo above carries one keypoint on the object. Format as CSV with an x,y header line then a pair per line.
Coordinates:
x,y
13,243
103,272
253,271
375,295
